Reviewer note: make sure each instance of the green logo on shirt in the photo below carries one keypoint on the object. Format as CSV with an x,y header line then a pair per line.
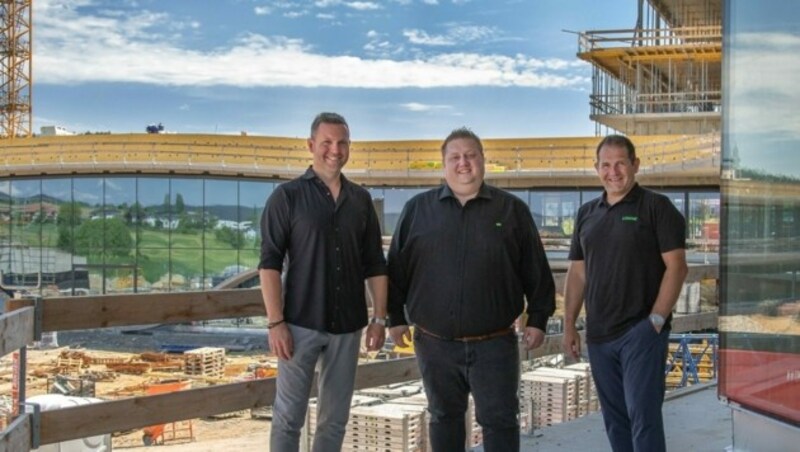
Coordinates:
x,y
498,224
630,218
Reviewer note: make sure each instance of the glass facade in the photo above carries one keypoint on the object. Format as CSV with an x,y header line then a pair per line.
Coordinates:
x,y
760,259
93,235
123,234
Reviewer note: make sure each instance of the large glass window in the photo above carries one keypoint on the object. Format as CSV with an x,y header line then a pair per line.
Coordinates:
x,y
760,312
393,202
554,212
703,220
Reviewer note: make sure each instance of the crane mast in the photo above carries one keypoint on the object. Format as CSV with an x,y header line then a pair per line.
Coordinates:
x,y
16,50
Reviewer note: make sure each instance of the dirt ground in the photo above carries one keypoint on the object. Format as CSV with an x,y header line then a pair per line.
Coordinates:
x,y
204,432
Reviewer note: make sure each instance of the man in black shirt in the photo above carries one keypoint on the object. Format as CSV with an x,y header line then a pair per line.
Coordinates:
x,y
324,229
628,261
463,259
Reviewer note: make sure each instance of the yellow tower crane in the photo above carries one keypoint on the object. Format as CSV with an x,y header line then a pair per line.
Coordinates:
x,y
16,45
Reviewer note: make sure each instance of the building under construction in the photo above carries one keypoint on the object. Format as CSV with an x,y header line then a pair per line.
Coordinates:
x,y
664,75
190,201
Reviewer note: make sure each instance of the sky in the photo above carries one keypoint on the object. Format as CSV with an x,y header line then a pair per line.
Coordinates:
x,y
396,69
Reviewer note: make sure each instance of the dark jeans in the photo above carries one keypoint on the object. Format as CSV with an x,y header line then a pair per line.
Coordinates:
x,y
629,373
488,369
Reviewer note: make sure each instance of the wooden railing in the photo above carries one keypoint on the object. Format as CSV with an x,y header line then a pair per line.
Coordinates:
x,y
25,320
589,41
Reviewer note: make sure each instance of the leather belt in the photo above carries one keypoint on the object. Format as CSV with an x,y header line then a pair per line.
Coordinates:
x,y
481,337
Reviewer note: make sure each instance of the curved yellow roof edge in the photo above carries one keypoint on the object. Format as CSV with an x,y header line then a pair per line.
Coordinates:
x,y
286,157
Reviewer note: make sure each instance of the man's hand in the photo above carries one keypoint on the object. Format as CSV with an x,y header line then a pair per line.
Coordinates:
x,y
533,337
280,341
401,335
376,335
571,342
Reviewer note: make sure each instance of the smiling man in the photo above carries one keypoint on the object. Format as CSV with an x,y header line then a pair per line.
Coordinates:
x,y
464,258
628,260
325,230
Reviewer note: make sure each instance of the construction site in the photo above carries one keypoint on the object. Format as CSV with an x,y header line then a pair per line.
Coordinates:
x,y
155,335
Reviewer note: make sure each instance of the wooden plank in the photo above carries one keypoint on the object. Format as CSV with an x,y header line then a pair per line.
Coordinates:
x,y
16,330
696,273
119,415
102,311
17,437
701,272
695,322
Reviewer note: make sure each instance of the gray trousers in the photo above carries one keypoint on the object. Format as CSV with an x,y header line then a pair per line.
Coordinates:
x,y
337,355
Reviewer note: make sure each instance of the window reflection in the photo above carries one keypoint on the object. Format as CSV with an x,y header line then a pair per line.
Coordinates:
x,y
760,314
186,213
554,213
394,200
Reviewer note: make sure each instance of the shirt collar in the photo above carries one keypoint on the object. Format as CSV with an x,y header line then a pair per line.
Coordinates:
x,y
310,174
446,192
631,196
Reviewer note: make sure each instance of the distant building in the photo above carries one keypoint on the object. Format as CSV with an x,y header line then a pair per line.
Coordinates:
x,y
50,131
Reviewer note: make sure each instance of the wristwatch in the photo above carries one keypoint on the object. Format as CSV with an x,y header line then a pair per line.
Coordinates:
x,y
657,320
379,320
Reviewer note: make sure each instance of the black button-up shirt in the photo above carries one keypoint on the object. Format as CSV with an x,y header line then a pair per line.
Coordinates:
x,y
621,246
330,248
466,270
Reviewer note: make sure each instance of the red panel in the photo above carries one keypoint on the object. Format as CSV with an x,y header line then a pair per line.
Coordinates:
x,y
767,382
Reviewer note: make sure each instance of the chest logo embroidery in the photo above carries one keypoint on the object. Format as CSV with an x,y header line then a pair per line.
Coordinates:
x,y
632,218
499,224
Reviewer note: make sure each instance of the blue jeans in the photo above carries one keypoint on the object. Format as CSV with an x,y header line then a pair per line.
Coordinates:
x,y
488,369
629,373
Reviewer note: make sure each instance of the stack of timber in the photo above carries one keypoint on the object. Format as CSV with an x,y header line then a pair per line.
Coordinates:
x,y
548,399
205,361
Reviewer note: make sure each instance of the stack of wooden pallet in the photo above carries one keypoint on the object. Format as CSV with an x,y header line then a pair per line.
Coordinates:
x,y
592,402
587,397
473,429
548,399
206,361
386,427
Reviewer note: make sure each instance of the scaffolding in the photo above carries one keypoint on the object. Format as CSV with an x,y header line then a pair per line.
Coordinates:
x,y
661,77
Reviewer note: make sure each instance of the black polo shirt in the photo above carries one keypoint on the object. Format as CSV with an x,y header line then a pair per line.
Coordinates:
x,y
330,249
621,246
466,270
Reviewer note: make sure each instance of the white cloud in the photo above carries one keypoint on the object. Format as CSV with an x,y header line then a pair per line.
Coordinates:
x,y
430,2
764,94
325,16
262,10
73,49
418,107
454,35
295,14
421,37
363,6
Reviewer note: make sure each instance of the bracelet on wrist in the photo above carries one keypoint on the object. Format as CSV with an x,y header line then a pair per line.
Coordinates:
x,y
272,325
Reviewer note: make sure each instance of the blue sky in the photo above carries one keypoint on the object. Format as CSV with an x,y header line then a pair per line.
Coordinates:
x,y
397,69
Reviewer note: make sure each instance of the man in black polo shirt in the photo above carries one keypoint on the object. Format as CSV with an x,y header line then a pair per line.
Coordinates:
x,y
463,259
628,261
325,230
